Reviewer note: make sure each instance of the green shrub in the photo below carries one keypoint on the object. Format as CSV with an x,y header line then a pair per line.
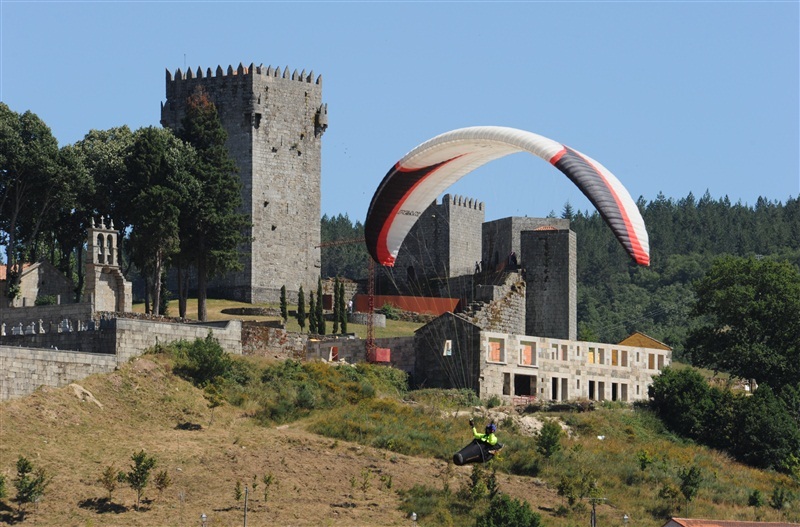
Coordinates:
x,y
45,300
391,312
508,512
202,361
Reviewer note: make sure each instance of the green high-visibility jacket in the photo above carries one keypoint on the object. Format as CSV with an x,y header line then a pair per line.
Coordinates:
x,y
490,439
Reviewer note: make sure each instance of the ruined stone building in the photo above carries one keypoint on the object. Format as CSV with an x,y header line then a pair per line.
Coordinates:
x,y
516,336
275,121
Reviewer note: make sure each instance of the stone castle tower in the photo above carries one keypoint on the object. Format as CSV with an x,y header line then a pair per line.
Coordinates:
x,y
275,120
445,242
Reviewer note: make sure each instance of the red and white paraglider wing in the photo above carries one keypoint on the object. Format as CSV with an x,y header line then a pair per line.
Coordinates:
x,y
415,181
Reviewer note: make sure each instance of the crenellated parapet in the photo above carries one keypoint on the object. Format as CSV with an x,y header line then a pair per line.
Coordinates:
x,y
463,201
274,119
243,71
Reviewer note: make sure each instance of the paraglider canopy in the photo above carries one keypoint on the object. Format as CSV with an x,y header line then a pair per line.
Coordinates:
x,y
415,181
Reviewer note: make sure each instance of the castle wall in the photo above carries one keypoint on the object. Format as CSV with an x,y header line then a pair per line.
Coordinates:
x,y
352,350
58,358
502,237
51,316
444,243
551,283
274,122
505,307
135,336
25,369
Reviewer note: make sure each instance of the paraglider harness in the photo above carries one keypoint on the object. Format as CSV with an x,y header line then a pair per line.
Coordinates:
x,y
482,448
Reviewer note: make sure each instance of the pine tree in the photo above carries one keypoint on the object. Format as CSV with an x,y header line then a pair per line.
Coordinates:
x,y
139,475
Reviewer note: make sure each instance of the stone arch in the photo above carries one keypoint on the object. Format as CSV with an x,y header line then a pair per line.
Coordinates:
x,y
100,249
110,245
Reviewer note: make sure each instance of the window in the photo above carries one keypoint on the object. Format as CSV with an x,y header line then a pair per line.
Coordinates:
x,y
614,357
601,356
564,352
660,362
651,361
496,350
527,354
592,358
553,351
448,348
625,358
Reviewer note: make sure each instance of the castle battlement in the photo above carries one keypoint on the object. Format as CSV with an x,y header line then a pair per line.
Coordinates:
x,y
274,119
243,71
463,201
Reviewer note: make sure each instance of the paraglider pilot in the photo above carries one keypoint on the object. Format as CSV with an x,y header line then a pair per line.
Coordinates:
x,y
482,448
488,438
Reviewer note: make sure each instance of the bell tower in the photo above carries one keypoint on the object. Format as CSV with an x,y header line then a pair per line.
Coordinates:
x,y
106,288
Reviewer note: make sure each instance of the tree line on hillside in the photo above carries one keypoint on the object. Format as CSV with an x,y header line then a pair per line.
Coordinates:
x,y
747,317
174,196
616,297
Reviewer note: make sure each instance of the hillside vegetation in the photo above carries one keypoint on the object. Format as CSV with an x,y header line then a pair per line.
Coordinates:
x,y
617,297
341,445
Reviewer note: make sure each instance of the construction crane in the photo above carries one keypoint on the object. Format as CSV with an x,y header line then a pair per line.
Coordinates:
x,y
370,341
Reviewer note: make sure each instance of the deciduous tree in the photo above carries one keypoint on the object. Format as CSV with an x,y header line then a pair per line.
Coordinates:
x,y
752,309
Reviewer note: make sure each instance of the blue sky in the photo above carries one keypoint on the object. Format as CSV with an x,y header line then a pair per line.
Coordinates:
x,y
672,97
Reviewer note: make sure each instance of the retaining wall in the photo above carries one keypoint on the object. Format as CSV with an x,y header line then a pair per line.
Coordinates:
x,y
25,369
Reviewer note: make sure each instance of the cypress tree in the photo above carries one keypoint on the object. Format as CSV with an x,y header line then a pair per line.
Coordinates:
x,y
284,307
336,306
313,321
342,308
301,309
320,311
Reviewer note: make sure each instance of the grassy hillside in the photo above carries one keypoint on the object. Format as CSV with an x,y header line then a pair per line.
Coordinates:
x,y
358,475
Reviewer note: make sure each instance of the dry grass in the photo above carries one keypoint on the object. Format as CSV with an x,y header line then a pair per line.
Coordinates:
x,y
142,406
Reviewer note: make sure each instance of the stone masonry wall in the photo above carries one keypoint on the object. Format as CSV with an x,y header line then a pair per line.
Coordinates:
x,y
551,276
135,336
502,237
353,350
51,316
503,306
262,339
444,242
57,358
24,370
275,121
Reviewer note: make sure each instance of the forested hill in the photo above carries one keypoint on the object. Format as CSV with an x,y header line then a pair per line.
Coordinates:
x,y
616,297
